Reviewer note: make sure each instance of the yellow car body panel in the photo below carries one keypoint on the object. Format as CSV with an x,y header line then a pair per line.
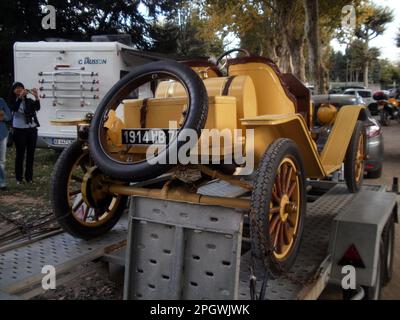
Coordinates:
x,y
241,87
335,148
268,128
271,97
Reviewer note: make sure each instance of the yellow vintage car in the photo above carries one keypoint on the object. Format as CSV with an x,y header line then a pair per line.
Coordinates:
x,y
134,145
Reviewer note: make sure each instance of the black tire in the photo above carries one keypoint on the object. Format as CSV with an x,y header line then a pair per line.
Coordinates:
x,y
59,199
374,174
195,119
375,292
388,237
261,241
353,181
384,118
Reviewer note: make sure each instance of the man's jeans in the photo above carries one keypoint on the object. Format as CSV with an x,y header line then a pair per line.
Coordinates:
x,y
3,149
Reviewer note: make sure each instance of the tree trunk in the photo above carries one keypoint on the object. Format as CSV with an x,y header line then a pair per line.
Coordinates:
x,y
284,9
366,71
366,64
311,29
298,59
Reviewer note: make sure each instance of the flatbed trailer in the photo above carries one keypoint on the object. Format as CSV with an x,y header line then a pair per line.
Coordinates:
x,y
178,250
187,251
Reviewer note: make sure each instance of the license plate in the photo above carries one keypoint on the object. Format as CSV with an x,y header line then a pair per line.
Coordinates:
x,y
148,136
62,142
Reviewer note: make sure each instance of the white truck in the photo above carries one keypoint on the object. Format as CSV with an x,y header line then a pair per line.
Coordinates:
x,y
72,78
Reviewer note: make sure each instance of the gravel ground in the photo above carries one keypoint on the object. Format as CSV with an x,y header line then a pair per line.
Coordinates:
x,y
93,283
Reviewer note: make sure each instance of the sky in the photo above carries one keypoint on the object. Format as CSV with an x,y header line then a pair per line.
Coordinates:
x,y
386,42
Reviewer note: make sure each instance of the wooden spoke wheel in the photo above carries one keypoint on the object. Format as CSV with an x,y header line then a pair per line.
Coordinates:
x,y
79,198
355,159
284,208
278,207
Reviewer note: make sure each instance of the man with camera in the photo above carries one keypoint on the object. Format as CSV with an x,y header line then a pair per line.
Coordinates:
x,y
24,126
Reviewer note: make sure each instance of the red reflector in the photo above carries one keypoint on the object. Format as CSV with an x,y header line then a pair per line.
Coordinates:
x,y
370,166
352,257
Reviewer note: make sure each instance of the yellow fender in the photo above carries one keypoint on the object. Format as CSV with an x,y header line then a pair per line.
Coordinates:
x,y
268,128
334,151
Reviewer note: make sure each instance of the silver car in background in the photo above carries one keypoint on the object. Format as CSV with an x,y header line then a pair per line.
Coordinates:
x,y
375,148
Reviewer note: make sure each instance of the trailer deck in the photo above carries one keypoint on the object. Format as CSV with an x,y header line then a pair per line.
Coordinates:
x,y
20,268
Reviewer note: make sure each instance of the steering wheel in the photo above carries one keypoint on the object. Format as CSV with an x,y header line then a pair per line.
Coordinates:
x,y
222,60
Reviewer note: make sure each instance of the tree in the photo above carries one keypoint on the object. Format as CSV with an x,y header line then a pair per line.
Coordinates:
x,y
372,25
265,27
312,32
337,66
185,34
387,73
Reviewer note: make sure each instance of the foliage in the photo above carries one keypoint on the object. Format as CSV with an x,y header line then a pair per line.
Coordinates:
x,y
387,73
372,22
398,39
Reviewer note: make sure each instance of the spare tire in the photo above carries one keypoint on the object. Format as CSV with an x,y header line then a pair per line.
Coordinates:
x,y
195,117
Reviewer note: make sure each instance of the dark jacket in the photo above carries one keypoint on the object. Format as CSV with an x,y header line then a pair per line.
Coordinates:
x,y
31,106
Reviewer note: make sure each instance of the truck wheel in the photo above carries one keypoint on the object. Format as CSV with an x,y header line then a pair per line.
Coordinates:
x,y
355,158
193,116
278,207
74,213
374,293
388,241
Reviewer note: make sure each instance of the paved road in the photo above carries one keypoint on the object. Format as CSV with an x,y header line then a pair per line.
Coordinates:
x,y
392,169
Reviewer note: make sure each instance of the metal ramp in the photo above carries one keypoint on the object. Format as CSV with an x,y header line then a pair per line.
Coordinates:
x,y
182,251
21,268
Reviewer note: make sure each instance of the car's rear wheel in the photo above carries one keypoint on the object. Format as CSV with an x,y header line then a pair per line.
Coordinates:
x,y
75,180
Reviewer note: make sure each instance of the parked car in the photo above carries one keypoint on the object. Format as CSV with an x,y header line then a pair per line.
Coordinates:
x,y
365,94
340,90
393,93
375,148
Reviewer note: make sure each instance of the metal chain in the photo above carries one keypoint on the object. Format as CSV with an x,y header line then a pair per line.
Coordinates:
x,y
283,273
26,229
8,219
